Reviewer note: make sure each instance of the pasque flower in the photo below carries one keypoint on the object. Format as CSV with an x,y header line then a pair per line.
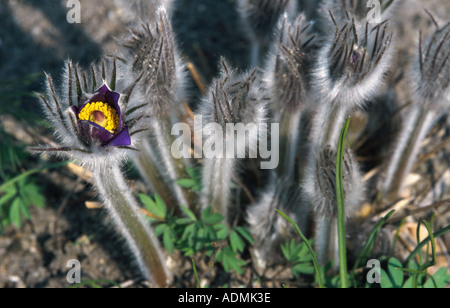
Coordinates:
x,y
100,120
287,79
97,127
320,190
430,85
93,121
232,98
351,65
151,52
268,228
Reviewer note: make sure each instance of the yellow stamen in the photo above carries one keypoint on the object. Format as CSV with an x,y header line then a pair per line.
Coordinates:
x,y
101,114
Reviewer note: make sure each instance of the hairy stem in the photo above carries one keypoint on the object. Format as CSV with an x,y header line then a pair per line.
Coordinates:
x,y
289,142
146,161
158,166
417,124
124,210
217,184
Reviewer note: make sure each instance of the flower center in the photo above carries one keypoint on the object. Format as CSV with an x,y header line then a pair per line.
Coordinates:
x,y
101,114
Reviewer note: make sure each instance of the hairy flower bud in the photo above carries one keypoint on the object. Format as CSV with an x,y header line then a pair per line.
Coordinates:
x,y
155,57
93,122
268,228
352,64
288,71
320,184
362,11
232,99
431,71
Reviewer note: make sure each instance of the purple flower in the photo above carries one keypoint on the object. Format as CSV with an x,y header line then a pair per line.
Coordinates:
x,y
93,123
100,119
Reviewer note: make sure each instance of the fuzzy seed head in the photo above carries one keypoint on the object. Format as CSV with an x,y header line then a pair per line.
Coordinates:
x,y
359,9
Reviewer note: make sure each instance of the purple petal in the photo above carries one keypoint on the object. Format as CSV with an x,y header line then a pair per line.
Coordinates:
x,y
106,96
121,139
95,133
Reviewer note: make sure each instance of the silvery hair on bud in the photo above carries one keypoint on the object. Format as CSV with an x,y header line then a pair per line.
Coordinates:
x,y
430,74
140,10
268,228
233,98
77,86
154,56
361,10
353,62
287,72
320,184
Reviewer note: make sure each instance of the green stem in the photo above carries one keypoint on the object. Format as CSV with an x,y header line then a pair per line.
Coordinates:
x,y
308,245
425,242
31,172
342,241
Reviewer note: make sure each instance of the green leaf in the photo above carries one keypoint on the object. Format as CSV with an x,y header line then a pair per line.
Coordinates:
x,y
30,172
230,260
10,193
211,218
160,229
157,207
14,212
161,206
396,275
302,268
237,244
425,242
194,182
168,240
441,278
394,278
188,212
368,246
246,234
186,183
200,240
147,202
32,195
221,231
317,269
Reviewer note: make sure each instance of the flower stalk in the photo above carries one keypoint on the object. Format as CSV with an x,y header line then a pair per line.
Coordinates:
x,y
124,210
430,83
155,56
99,131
